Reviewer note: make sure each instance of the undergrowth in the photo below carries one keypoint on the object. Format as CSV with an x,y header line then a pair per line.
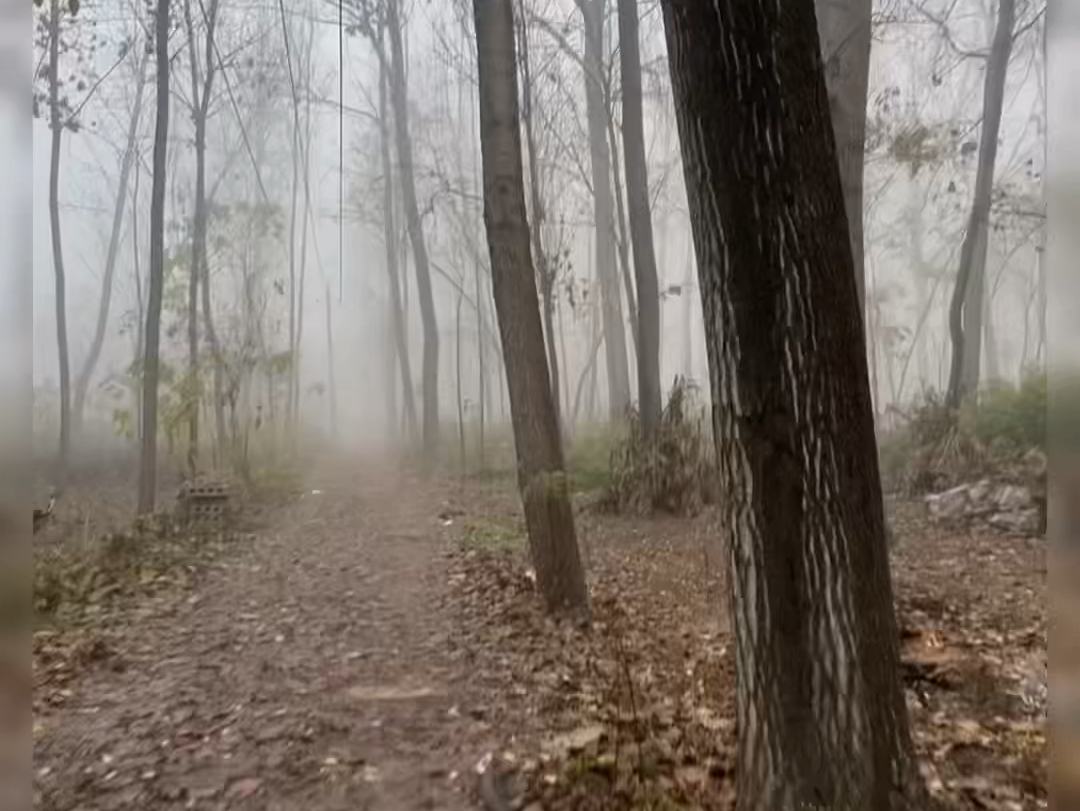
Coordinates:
x,y
672,472
1001,432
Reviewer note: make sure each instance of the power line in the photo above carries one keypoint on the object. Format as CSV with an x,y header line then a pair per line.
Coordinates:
x,y
341,149
235,107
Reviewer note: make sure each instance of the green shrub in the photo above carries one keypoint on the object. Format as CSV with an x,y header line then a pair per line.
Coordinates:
x,y
1016,415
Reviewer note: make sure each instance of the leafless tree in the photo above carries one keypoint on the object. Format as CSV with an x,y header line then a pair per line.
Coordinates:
x,y
641,235
152,343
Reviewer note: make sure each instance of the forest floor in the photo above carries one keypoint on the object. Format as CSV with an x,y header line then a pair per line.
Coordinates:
x,y
376,643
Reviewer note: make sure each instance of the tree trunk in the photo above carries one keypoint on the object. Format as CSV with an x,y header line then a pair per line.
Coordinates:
x,y
622,240
399,101
820,710
541,475
294,191
86,373
201,89
844,30
545,271
618,372
57,126
965,309
151,346
641,234
331,378
397,311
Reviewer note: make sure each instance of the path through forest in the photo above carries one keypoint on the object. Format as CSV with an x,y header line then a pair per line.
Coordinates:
x,y
379,636
310,669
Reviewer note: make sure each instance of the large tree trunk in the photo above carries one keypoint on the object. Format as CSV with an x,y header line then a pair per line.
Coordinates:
x,y
618,372
399,101
544,269
397,310
641,235
56,124
965,310
86,373
844,30
820,710
541,475
151,346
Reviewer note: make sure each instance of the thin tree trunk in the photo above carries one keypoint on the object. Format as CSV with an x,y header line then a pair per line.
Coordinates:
x,y
86,373
57,126
622,239
965,310
641,234
820,709
457,375
397,311
399,102
844,30
545,271
148,457
140,306
331,378
541,472
201,89
294,192
618,372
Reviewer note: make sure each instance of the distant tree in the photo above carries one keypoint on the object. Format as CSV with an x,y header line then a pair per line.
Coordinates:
x,y
127,160
844,31
152,342
641,234
541,470
62,116
399,101
966,307
820,709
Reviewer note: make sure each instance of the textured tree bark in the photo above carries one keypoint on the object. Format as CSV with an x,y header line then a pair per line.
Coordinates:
x,y
399,101
844,30
618,372
152,343
93,355
965,309
397,311
641,234
541,472
821,717
56,124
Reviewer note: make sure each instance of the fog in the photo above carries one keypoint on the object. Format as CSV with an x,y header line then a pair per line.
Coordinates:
x,y
926,76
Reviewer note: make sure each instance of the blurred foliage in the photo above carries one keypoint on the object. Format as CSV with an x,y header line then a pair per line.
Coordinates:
x,y
999,433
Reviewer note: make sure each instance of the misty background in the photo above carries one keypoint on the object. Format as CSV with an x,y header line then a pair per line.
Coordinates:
x,y
924,111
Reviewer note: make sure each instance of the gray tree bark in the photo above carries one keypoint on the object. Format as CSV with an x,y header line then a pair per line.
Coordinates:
x,y
397,310
541,472
844,31
641,234
965,309
152,343
821,717
399,101
56,124
618,372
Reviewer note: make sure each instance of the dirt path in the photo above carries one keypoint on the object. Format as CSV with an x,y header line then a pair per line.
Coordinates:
x,y
310,670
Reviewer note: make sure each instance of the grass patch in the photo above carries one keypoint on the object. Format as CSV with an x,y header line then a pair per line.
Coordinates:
x,y
493,536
